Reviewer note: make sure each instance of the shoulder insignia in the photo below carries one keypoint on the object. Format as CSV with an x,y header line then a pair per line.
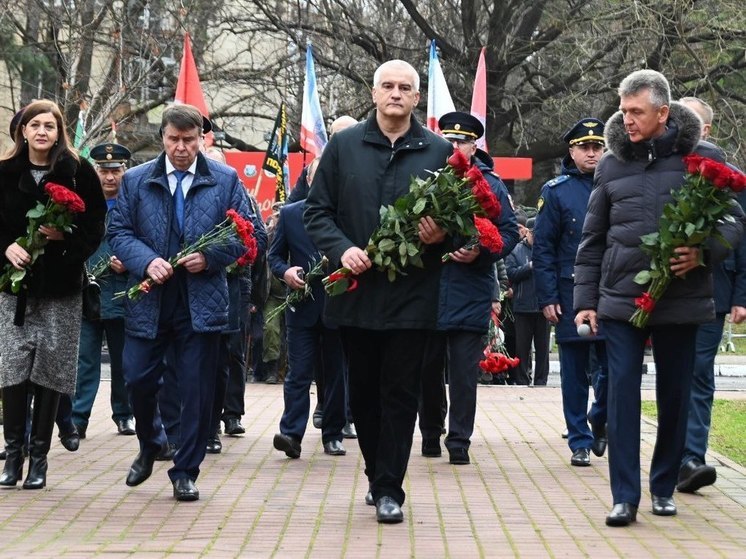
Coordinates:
x,y
557,180
540,204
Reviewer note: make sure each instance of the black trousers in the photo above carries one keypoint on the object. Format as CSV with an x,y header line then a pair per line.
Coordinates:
x,y
433,402
532,327
384,369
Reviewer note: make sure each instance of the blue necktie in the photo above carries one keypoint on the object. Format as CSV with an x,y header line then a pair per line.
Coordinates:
x,y
179,198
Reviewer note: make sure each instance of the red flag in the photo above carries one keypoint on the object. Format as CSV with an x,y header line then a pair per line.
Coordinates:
x,y
188,88
479,98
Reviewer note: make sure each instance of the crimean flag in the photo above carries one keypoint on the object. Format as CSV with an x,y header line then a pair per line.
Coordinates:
x,y
479,98
188,87
439,100
276,156
312,130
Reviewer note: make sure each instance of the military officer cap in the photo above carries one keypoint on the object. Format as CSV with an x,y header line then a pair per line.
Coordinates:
x,y
585,131
110,155
460,126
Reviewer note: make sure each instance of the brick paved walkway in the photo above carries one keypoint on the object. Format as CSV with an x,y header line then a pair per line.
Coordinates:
x,y
519,497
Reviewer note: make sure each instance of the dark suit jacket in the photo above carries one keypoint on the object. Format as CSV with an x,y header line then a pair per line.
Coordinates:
x,y
291,246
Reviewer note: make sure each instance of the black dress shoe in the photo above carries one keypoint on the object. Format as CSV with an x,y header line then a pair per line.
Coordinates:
x,y
141,469
214,446
694,475
126,426
369,498
348,431
287,444
431,447
581,457
3,454
663,506
388,511
233,426
334,448
81,431
599,439
318,418
71,440
167,453
185,490
458,456
623,514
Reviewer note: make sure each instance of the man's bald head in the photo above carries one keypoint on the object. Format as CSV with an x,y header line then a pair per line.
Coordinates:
x,y
341,123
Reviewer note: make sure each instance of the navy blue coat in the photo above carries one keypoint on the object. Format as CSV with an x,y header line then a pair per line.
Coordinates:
x,y
729,277
521,276
467,290
110,282
139,233
557,232
291,246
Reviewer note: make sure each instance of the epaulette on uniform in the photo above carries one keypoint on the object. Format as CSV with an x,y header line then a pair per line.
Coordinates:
x,y
557,180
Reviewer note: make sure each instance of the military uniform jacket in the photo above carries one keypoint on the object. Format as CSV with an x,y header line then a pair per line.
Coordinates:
x,y
557,232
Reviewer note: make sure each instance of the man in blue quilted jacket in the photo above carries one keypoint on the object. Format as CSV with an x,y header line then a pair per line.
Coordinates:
x,y
163,206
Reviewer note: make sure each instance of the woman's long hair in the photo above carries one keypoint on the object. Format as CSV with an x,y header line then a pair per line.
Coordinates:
x,y
62,145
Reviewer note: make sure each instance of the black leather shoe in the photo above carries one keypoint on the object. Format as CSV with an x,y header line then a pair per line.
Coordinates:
x,y
581,457
663,506
167,453
431,448
348,431
3,454
141,469
214,446
81,431
185,490
388,511
623,514
458,456
126,426
233,426
694,475
369,498
318,418
71,440
599,439
334,448
287,444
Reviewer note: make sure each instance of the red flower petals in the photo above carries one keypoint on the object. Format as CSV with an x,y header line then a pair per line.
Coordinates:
x,y
65,197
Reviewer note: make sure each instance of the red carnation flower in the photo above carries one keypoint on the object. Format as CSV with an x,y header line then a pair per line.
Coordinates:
x,y
489,235
459,162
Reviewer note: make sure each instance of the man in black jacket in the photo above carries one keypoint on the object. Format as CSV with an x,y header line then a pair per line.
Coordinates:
x,y
647,140
384,325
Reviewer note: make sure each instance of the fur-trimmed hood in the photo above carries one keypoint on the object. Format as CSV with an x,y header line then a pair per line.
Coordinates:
x,y
683,133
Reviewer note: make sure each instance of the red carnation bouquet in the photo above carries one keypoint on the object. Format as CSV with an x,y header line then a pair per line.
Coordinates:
x,y
58,212
457,197
232,226
496,359
692,217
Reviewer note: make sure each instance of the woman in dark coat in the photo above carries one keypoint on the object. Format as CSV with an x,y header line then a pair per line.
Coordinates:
x,y
38,349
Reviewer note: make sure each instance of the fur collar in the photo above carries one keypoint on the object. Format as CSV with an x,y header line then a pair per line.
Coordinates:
x,y
684,130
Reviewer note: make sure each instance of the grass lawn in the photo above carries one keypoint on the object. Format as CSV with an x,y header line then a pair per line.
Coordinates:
x,y
728,431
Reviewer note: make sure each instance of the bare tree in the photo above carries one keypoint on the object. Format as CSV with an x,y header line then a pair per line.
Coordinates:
x,y
550,62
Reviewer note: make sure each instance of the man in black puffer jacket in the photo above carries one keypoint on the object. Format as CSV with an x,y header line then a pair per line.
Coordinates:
x,y
647,141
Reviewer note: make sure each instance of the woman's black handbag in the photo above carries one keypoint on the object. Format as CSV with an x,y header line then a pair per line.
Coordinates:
x,y
91,298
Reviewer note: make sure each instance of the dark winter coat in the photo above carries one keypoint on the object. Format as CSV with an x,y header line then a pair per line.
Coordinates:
x,y
521,275
59,271
633,182
360,171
